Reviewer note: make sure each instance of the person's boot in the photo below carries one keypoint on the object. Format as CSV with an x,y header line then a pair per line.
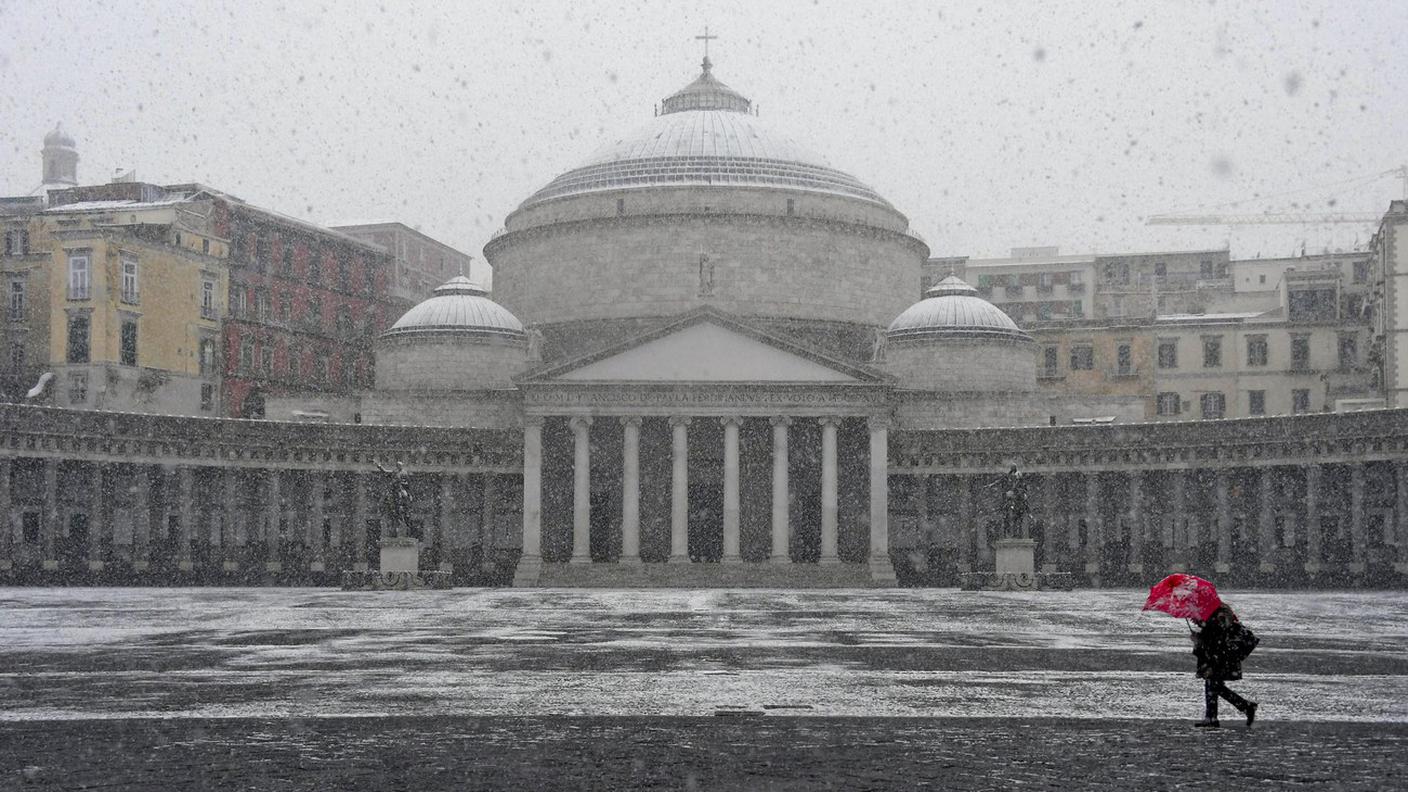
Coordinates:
x,y
1207,723
1251,713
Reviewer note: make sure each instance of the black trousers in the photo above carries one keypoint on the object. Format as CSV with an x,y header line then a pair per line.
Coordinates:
x,y
1212,689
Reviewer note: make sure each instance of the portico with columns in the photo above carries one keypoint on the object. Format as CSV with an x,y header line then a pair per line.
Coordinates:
x,y
706,441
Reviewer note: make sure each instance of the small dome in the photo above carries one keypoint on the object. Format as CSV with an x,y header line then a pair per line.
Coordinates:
x,y
460,306
953,309
59,138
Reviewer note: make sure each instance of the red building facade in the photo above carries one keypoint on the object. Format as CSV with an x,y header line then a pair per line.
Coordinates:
x,y
305,304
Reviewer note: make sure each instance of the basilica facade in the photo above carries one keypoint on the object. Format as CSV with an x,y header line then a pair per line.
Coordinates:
x,y
705,361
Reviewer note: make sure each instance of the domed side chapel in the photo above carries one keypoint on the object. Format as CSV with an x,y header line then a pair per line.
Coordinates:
x,y
704,335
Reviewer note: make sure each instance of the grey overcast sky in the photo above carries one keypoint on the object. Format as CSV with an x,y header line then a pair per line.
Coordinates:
x,y
990,125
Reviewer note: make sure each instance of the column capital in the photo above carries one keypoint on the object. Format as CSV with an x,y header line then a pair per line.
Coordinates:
x,y
780,420
829,420
631,420
534,421
736,420
680,420
875,422
579,422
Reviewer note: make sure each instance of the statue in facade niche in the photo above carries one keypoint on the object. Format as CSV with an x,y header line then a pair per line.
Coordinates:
x,y
535,343
706,275
397,502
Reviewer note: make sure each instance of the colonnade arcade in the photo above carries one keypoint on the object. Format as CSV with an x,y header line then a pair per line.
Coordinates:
x,y
714,485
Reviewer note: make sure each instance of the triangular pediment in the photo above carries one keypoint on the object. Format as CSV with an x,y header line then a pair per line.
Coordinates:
x,y
707,346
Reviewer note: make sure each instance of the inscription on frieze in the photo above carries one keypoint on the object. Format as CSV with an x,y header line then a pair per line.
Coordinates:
x,y
704,396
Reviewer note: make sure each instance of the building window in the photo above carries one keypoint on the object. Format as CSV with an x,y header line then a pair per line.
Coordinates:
x,y
1124,360
261,253
1214,405
78,276
315,312
1256,402
791,206
205,246
1160,270
285,308
621,207
344,321
315,268
1300,353
78,339
17,242
1044,281
1050,361
1168,353
295,363
344,281
1349,351
17,357
127,347
77,387
130,293
1256,350
320,369
237,301
1212,352
206,355
1167,404
266,360
1082,357
261,305
247,354
1361,272
1300,400
207,397
369,278
17,301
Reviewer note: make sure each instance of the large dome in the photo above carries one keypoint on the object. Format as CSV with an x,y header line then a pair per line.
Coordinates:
x,y
952,309
705,134
460,307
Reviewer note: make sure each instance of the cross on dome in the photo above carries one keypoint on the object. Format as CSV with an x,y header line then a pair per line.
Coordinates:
x,y
706,38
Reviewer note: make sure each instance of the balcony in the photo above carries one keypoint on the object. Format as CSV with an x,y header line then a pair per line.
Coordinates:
x,y
1076,288
1013,291
1124,372
1049,374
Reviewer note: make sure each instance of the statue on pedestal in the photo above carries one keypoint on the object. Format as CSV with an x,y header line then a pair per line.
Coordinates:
x,y
397,502
1014,504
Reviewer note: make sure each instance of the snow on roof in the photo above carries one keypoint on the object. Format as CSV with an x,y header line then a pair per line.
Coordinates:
x,y
112,206
1209,317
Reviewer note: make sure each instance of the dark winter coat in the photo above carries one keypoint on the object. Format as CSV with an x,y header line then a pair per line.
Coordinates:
x,y
1216,649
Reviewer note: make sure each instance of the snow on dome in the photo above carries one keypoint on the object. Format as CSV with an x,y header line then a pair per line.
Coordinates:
x,y
459,306
705,135
953,309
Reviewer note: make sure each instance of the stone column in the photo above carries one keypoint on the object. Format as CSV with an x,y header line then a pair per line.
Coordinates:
x,y
829,531
881,568
924,524
630,489
489,484
1224,522
1265,521
7,523
732,554
274,509
49,528
679,490
1092,523
229,518
446,518
186,476
1313,551
581,489
531,560
360,483
1136,522
1178,538
1356,515
1400,515
96,520
781,550
965,530
317,508
142,519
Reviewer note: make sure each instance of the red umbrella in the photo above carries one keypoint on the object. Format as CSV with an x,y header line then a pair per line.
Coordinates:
x,y
1184,597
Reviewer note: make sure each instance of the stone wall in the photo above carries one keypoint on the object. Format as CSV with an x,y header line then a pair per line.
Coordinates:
x,y
448,362
786,267
958,364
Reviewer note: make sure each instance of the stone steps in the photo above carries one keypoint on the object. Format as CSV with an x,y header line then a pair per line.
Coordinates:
x,y
706,575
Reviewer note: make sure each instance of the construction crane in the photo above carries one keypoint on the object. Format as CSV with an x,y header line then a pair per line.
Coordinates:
x,y
1282,218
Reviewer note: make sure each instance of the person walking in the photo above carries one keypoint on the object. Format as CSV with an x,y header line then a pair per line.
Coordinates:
x,y
1220,644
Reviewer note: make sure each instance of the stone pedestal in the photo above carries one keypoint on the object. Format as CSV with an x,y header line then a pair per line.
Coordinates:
x,y
1015,570
399,571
